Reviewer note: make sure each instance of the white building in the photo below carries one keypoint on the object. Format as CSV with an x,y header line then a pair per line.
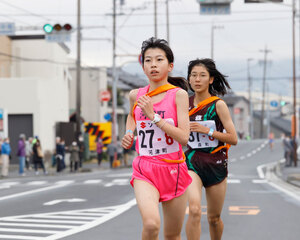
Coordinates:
x,y
34,91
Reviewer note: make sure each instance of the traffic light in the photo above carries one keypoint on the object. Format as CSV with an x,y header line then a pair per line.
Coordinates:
x,y
282,103
57,28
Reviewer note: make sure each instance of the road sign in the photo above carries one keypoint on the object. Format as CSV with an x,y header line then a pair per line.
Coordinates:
x,y
7,28
59,37
107,116
274,103
104,96
1,113
214,9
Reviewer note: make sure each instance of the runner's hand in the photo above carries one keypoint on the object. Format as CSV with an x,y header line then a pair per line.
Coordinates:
x,y
145,103
197,127
127,140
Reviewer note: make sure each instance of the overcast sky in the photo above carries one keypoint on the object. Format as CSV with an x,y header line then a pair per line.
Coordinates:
x,y
243,33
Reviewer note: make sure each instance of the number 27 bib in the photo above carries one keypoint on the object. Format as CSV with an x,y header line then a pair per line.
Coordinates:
x,y
153,141
201,140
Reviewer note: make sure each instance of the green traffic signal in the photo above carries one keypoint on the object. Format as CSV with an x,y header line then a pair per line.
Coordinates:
x,y
282,103
48,28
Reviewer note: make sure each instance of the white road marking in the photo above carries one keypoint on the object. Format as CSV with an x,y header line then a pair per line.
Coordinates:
x,y
259,180
249,154
120,175
117,182
106,213
37,183
242,157
33,191
254,151
233,181
93,181
64,200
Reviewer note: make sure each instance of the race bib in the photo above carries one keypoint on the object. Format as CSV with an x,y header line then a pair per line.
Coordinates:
x,y
153,141
201,140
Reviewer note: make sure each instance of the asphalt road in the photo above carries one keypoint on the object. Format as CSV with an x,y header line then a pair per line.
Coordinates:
x,y
101,205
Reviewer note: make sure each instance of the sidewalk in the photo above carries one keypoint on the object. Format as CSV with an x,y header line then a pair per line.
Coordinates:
x,y
290,174
89,166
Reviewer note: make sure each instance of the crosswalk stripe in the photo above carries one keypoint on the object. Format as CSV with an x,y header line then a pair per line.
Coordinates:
x,y
37,182
259,180
21,221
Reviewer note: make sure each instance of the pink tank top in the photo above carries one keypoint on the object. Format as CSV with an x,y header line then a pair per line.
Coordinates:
x,y
152,142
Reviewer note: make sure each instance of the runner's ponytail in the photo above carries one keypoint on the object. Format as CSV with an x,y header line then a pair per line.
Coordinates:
x,y
178,82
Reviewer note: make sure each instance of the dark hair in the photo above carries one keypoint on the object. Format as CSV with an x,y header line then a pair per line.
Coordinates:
x,y
163,45
219,85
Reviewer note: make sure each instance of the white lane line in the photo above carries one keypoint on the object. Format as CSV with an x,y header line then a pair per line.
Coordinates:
x,y
249,154
233,181
93,181
37,183
232,160
20,230
3,236
85,214
32,191
242,157
10,183
4,187
254,151
259,180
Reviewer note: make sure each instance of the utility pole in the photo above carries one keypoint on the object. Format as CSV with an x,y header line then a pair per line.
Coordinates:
x,y
78,72
213,27
250,99
155,18
266,51
114,76
168,23
294,121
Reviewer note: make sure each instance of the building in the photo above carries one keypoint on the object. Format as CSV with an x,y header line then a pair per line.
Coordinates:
x,y
34,88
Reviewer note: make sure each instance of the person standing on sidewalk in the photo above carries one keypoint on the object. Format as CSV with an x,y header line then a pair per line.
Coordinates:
x,y
28,150
5,156
22,153
38,157
100,146
111,150
212,133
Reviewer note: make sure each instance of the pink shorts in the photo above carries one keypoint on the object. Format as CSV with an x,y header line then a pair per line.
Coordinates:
x,y
170,179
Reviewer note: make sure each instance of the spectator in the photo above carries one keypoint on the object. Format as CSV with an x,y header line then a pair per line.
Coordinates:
x,y
119,149
60,155
271,140
5,156
74,157
111,150
288,150
28,150
100,146
81,150
21,154
38,157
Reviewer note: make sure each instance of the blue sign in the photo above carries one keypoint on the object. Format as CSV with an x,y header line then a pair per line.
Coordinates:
x,y
1,113
107,116
7,28
214,9
274,103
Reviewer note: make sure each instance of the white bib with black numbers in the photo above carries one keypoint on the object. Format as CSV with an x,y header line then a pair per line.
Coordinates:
x,y
153,141
201,140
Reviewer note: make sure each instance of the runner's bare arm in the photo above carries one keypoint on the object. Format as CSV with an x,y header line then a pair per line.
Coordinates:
x,y
181,133
230,136
130,123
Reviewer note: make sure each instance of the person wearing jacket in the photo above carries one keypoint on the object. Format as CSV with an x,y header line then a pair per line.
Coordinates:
x,y
21,154
5,153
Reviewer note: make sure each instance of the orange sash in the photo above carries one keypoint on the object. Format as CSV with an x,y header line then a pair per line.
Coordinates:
x,y
157,91
200,106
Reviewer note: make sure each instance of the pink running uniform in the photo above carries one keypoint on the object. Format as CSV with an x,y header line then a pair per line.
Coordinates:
x,y
159,157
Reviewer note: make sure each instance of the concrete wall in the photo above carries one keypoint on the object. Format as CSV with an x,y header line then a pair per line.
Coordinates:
x,y
5,61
